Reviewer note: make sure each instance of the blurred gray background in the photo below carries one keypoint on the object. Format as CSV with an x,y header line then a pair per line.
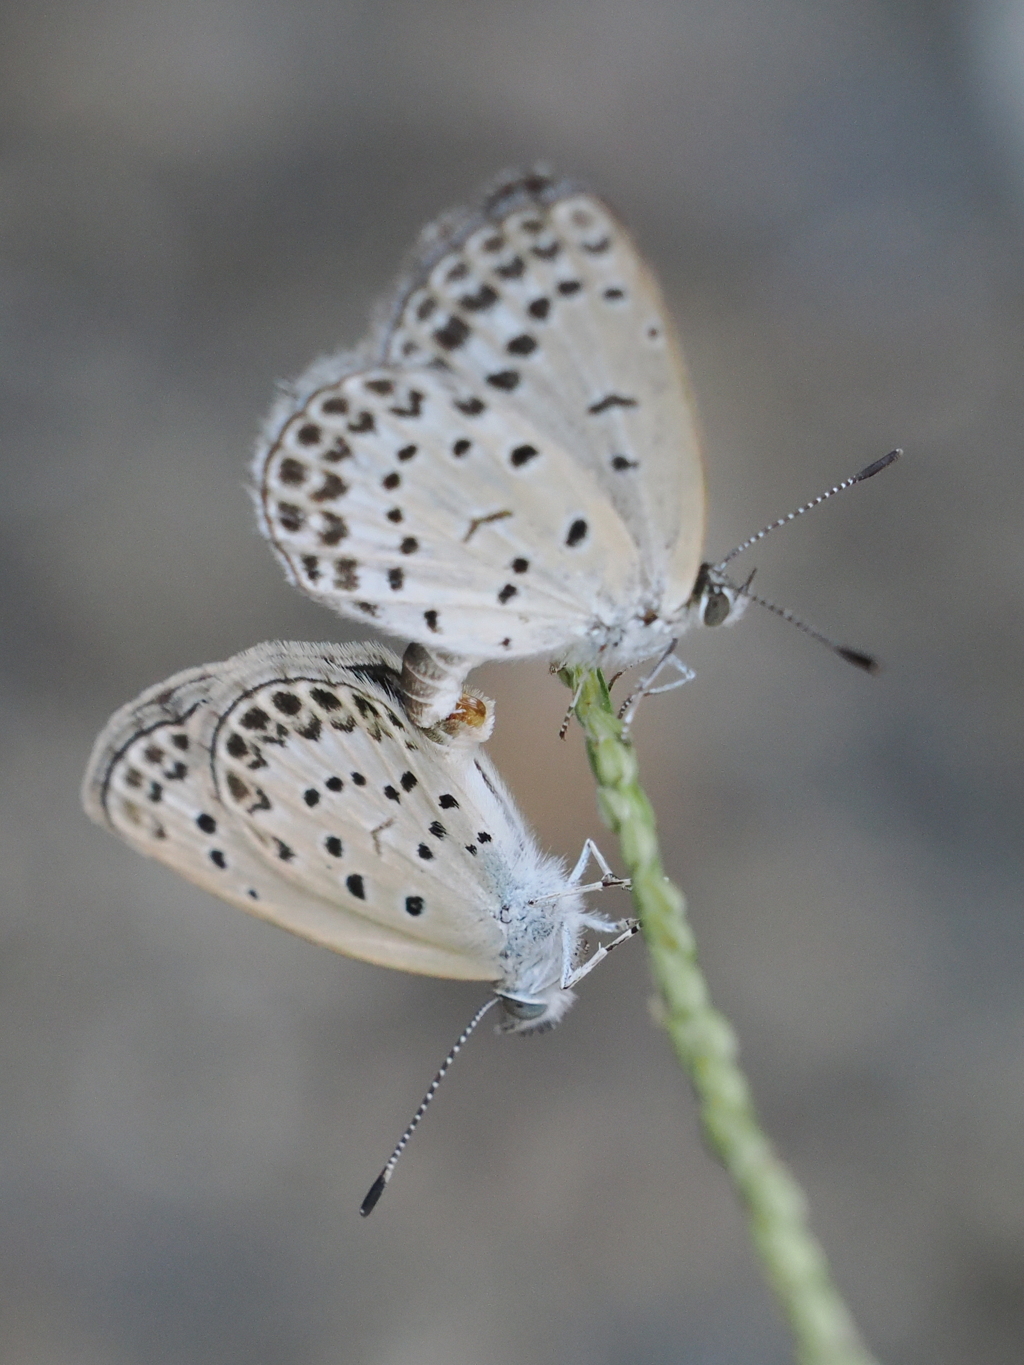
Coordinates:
x,y
198,198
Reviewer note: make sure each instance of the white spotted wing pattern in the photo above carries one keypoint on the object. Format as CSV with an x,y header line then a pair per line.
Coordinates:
x,y
289,781
509,466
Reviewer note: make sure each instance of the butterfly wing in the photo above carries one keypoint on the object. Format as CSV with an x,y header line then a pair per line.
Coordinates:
x,y
244,778
416,501
539,297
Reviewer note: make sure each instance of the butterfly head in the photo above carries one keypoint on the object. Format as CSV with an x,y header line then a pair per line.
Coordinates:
x,y
715,600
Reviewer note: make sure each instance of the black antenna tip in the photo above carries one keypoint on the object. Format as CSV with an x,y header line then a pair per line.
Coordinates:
x,y
877,466
373,1196
859,660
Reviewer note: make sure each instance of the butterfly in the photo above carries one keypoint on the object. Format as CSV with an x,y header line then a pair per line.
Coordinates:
x,y
289,781
509,465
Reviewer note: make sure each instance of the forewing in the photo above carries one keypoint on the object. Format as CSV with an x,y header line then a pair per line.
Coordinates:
x,y
434,509
541,296
151,779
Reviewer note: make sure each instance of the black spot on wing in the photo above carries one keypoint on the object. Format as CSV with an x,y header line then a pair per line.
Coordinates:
x,y
453,334
339,449
346,574
611,400
483,299
332,487
311,729
413,405
292,472
333,529
506,380
577,533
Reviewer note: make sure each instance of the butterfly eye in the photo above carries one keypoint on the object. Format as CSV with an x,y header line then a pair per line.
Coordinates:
x,y
716,608
525,1010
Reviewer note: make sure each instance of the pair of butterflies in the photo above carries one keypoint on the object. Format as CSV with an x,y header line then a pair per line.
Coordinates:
x,y
508,467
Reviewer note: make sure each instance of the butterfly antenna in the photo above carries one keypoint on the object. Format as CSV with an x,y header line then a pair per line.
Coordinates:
x,y
852,656
380,1184
868,472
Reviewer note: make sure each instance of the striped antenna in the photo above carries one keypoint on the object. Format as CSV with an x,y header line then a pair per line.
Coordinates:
x,y
852,656
380,1184
868,472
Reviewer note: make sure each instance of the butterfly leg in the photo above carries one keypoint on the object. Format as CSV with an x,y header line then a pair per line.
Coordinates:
x,y
628,709
563,729
608,877
570,978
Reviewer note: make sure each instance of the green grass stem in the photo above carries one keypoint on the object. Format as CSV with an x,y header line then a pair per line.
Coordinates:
x,y
706,1046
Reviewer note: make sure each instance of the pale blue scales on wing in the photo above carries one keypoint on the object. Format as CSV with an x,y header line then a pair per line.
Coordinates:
x,y
289,781
509,465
